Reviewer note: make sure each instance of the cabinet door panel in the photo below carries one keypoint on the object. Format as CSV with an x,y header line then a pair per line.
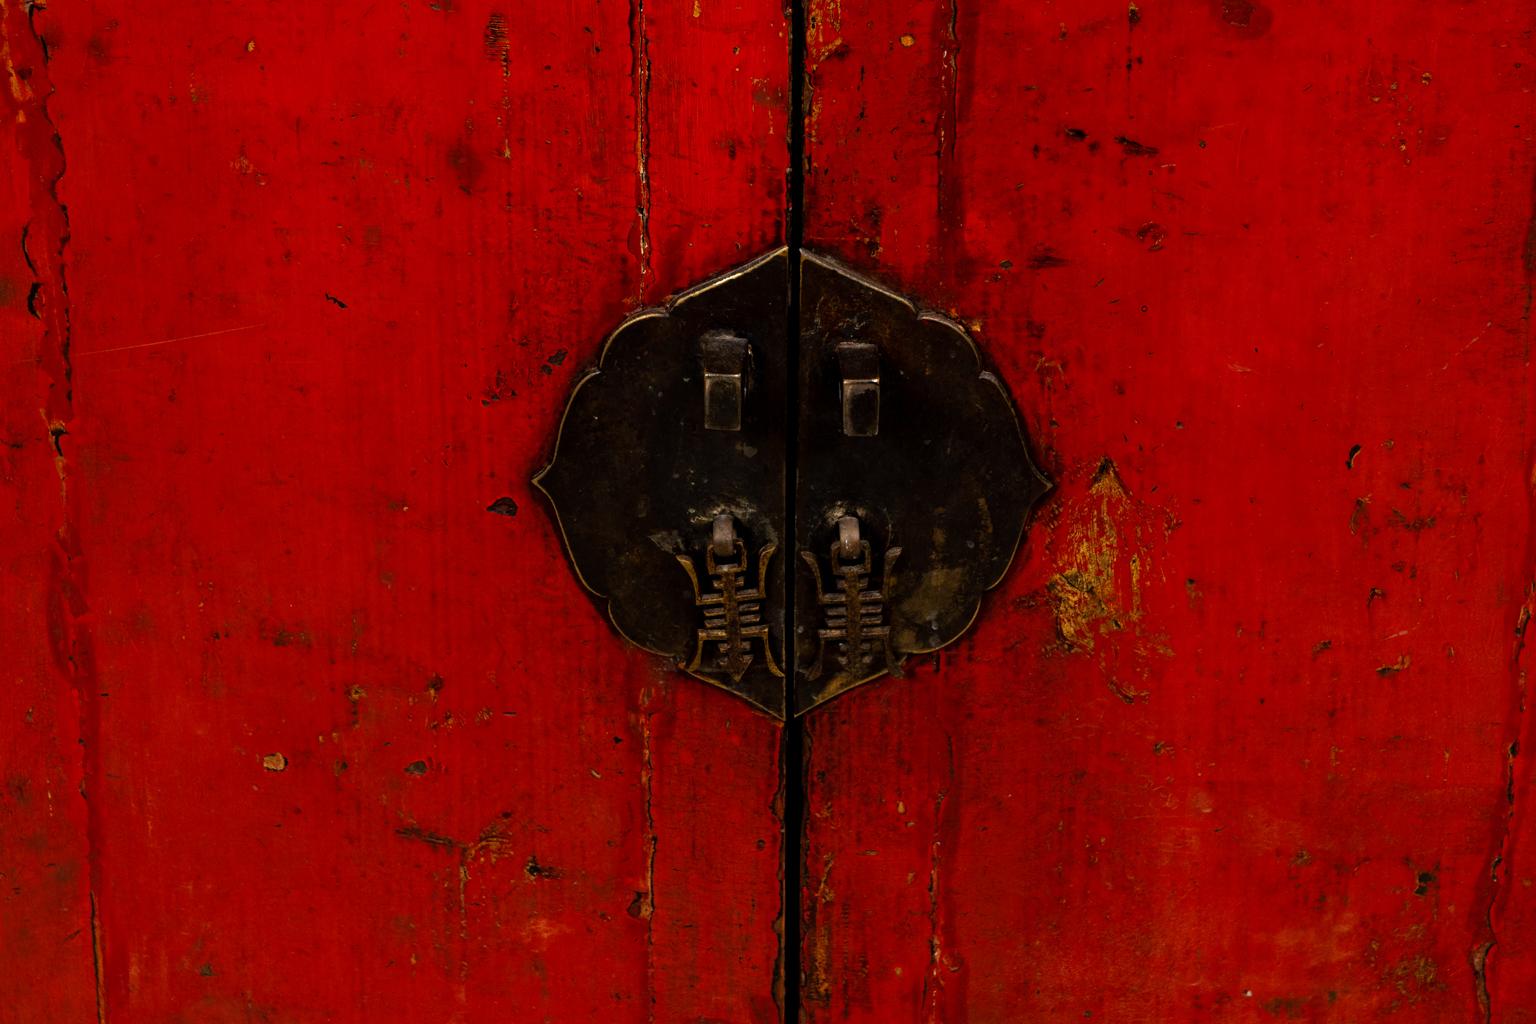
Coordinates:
x,y
1236,739
356,745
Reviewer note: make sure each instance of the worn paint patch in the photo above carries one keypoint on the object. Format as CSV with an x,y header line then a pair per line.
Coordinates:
x,y
1104,556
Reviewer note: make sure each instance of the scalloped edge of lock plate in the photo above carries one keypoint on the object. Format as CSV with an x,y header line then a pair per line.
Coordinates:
x,y
658,312
984,373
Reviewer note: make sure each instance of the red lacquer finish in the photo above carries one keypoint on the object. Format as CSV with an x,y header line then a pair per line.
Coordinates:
x,y
1237,738
356,745
304,717
47,968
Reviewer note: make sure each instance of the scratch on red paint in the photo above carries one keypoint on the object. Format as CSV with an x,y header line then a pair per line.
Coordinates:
x,y
169,341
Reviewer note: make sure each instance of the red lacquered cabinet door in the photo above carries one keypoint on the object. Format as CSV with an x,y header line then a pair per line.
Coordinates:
x,y
304,716
304,719
1244,735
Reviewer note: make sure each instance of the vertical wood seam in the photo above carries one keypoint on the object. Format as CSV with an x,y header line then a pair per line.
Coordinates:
x,y
641,72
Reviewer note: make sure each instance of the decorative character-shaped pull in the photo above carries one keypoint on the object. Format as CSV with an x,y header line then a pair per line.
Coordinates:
x,y
733,611
855,631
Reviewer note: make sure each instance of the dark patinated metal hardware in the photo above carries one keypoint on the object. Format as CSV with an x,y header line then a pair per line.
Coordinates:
x,y
854,635
913,486
724,357
639,479
734,632
948,483
859,363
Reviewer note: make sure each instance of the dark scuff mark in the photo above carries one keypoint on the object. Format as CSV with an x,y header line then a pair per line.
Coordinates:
x,y
1349,463
533,869
290,638
547,368
1075,134
1152,236
57,432
335,301
1045,258
1414,525
1529,256
641,72
502,507
467,165
1133,15
417,768
1400,665
1133,148
1359,515
1290,1007
1249,18
498,389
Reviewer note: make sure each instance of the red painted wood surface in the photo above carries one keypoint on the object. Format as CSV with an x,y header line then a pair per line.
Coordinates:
x,y
46,949
312,283
295,727
1237,739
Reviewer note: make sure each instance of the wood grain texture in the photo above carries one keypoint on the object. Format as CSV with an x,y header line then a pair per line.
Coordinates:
x,y
47,970
1237,739
305,719
357,745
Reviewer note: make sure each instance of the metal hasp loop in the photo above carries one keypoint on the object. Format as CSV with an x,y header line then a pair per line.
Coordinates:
x,y
849,544
913,481
724,357
859,364
723,536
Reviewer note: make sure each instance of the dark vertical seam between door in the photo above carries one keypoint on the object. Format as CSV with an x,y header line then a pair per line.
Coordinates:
x,y
793,762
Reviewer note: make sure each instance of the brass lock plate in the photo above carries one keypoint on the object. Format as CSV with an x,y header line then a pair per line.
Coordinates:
x,y
912,481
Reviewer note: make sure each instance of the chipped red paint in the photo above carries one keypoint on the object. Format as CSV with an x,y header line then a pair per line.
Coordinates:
x,y
1234,742
353,745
